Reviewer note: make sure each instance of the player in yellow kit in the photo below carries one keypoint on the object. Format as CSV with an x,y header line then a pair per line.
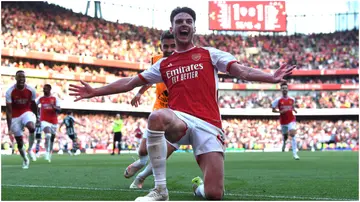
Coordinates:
x,y
167,47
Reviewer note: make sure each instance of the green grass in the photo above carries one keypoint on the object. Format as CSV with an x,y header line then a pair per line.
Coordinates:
x,y
248,176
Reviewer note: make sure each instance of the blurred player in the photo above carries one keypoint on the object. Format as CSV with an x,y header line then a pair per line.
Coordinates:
x,y
50,107
21,112
117,128
138,134
193,116
69,122
285,105
167,47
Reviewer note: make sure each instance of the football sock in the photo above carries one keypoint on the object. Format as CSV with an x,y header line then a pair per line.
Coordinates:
x,y
294,146
47,142
146,172
31,141
157,149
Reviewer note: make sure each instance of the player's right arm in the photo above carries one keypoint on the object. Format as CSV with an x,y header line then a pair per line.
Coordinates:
x,y
75,121
61,125
149,76
274,106
8,115
37,102
8,109
136,100
278,111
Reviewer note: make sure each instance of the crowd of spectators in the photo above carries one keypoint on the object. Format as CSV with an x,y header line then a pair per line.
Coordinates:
x,y
227,98
38,26
263,133
66,69
325,79
303,99
48,28
239,133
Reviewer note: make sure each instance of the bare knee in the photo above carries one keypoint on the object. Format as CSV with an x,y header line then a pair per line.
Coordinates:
x,y
158,120
214,192
31,127
292,133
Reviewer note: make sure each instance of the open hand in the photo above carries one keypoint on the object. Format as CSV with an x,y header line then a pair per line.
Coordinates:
x,y
82,92
282,72
136,100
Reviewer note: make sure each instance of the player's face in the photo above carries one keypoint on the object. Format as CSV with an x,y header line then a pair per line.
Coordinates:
x,y
183,28
168,46
20,79
284,90
47,90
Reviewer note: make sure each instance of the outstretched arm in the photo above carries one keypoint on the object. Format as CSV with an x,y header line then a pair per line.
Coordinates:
x,y
80,123
251,74
278,111
120,86
136,100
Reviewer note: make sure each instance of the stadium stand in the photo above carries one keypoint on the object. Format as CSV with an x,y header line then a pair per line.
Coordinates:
x,y
56,46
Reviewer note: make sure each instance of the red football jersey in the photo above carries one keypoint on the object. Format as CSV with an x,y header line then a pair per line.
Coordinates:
x,y
47,113
138,133
285,103
192,81
20,99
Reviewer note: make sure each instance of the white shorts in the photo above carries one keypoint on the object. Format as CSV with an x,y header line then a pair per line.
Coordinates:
x,y
53,127
18,123
138,140
203,136
175,145
286,128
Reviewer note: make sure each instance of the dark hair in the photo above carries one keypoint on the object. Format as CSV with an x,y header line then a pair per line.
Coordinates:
x,y
47,85
19,71
283,84
68,112
182,10
166,35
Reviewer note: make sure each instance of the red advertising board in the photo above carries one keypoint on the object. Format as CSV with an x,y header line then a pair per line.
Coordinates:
x,y
267,16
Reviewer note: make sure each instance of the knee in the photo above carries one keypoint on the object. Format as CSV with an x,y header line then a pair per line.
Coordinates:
x,y
214,192
31,129
157,120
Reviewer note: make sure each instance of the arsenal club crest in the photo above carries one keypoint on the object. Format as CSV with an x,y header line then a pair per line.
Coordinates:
x,y
196,56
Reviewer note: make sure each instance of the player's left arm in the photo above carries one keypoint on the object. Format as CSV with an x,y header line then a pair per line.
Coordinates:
x,y
227,63
57,107
34,102
77,122
293,108
251,74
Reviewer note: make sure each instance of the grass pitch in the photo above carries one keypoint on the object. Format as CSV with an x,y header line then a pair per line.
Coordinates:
x,y
248,176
